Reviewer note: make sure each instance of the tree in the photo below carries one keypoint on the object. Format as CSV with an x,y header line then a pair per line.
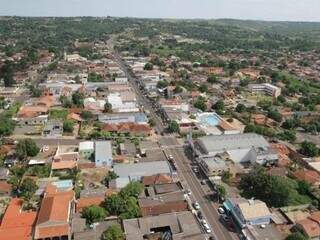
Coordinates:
x,y
6,72
26,148
275,115
133,189
27,189
287,135
219,106
68,126
174,127
131,210
86,115
110,176
107,107
309,149
240,108
203,88
222,191
114,204
7,125
296,236
77,99
94,214
200,103
148,66
212,79
162,84
114,232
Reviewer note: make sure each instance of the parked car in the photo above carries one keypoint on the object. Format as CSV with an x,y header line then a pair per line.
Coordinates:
x,y
199,214
203,182
221,210
188,192
196,206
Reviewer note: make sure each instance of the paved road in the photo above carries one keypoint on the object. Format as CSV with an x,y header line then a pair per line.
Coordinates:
x,y
184,169
199,194
133,83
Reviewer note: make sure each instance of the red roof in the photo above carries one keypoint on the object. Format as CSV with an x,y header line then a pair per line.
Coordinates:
x,y
5,187
87,202
157,179
17,224
53,218
127,128
309,176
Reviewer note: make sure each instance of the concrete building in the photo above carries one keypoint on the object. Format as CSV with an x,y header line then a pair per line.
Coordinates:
x,y
267,88
86,149
135,172
248,212
182,225
103,153
120,105
239,148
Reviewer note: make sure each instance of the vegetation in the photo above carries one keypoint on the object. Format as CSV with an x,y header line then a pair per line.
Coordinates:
x,y
200,103
114,232
309,149
276,191
93,214
174,127
68,126
296,236
27,189
27,148
125,204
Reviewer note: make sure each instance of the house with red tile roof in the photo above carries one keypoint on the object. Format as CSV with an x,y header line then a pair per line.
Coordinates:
x,y
5,188
310,176
88,201
157,179
17,224
128,128
310,226
55,215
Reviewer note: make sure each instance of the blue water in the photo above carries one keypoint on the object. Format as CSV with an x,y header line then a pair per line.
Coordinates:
x,y
211,120
63,184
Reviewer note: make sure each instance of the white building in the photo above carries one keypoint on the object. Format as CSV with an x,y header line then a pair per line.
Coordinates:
x,y
120,105
240,148
267,88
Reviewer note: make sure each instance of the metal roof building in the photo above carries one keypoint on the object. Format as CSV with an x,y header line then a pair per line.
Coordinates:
x,y
103,153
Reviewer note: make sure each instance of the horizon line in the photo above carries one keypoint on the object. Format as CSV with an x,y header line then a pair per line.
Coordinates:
x,y
159,18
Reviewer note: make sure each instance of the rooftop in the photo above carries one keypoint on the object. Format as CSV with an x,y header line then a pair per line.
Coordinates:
x,y
233,141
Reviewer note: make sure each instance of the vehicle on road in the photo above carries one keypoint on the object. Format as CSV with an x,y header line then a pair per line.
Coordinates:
x,y
170,157
188,192
221,210
199,214
196,205
225,218
203,182
195,169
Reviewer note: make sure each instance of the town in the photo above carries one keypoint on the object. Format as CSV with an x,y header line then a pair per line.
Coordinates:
x,y
119,128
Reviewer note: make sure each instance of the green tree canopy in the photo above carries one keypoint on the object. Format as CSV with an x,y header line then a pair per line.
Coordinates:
x,y
27,189
114,232
296,236
174,127
68,126
26,148
94,214
148,66
309,149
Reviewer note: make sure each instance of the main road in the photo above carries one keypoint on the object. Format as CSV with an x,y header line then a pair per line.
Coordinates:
x,y
182,162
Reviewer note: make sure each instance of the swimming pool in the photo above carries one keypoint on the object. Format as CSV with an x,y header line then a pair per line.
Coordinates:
x,y
209,119
63,184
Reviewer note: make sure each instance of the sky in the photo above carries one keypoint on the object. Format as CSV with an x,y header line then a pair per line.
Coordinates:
x,y
282,10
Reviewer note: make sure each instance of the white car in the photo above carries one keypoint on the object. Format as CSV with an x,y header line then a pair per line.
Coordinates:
x,y
204,222
188,192
170,157
45,148
196,206
221,210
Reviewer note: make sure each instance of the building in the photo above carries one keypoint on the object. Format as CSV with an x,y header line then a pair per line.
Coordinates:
x,y
86,149
120,104
135,172
182,225
239,148
138,118
267,88
103,154
17,224
84,202
55,214
248,212
213,166
162,198
53,128
310,226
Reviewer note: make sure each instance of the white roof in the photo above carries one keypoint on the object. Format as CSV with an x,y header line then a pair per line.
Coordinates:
x,y
142,169
215,143
86,145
